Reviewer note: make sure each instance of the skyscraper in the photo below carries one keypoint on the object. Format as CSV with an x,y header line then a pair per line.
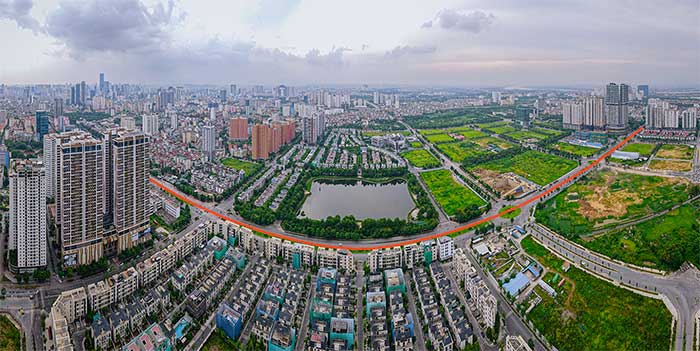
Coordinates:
x,y
644,89
238,128
28,214
83,93
42,124
261,141
150,124
127,171
616,109
233,90
209,141
101,87
79,198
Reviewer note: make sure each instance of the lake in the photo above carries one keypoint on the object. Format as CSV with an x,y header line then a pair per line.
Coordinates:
x,y
357,198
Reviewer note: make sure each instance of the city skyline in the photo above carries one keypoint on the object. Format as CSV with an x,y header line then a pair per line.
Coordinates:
x,y
448,43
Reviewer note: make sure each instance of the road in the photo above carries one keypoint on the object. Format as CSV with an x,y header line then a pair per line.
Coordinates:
x,y
680,289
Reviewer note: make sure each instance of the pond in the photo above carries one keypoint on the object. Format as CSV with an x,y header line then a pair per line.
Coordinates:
x,y
357,198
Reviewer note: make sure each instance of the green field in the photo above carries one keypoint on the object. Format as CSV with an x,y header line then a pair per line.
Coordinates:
x,y
664,242
606,198
681,152
421,158
371,133
502,129
512,214
247,167
439,138
471,133
488,141
451,195
643,149
9,335
455,118
459,151
536,166
592,314
579,150
416,144
523,135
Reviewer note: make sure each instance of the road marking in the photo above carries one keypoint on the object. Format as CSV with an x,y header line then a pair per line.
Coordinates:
x,y
310,241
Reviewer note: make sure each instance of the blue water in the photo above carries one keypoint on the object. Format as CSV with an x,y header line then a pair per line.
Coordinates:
x,y
180,327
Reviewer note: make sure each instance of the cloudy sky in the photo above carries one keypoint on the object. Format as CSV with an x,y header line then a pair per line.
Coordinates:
x,y
457,43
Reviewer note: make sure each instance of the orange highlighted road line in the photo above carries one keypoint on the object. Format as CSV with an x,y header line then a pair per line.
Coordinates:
x,y
309,241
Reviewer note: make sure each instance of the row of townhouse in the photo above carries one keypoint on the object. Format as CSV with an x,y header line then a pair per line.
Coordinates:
x,y
331,312
484,301
412,255
299,255
453,307
232,314
402,322
72,305
439,334
209,287
376,314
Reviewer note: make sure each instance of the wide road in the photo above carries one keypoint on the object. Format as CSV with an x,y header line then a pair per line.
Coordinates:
x,y
681,289
363,245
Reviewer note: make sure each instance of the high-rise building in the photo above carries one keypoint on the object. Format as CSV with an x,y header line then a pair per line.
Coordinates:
x,y
57,107
261,141
588,113
80,197
102,83
127,170
616,109
238,128
496,97
233,90
212,114
28,214
173,119
83,93
5,155
150,124
644,89
42,124
209,141
222,95
127,122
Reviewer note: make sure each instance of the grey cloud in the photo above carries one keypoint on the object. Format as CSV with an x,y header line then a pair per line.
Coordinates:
x,y
18,11
332,58
400,51
112,26
473,22
428,24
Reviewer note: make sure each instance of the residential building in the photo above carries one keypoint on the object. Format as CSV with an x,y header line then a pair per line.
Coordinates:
x,y
209,141
516,343
28,229
150,124
238,128
616,106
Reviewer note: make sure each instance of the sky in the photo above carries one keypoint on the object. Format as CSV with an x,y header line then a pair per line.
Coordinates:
x,y
472,43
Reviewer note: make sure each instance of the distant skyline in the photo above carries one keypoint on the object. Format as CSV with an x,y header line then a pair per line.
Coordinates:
x,y
299,42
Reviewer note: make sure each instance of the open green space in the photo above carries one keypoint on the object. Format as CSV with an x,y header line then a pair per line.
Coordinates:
x,y
416,144
682,152
440,138
549,132
460,150
9,335
583,151
455,118
608,197
247,167
643,149
512,214
536,166
421,158
524,135
371,133
490,142
592,314
663,242
452,196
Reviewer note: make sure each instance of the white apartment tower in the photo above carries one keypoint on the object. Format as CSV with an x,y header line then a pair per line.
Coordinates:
x,y
150,124
209,141
28,214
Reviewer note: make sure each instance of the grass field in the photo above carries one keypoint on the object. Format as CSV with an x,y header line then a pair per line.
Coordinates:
x,y
9,335
549,132
681,152
523,135
371,133
579,150
536,166
664,242
416,144
667,165
605,198
439,138
459,151
218,341
421,158
451,195
505,129
592,314
643,149
247,167
470,134
509,215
